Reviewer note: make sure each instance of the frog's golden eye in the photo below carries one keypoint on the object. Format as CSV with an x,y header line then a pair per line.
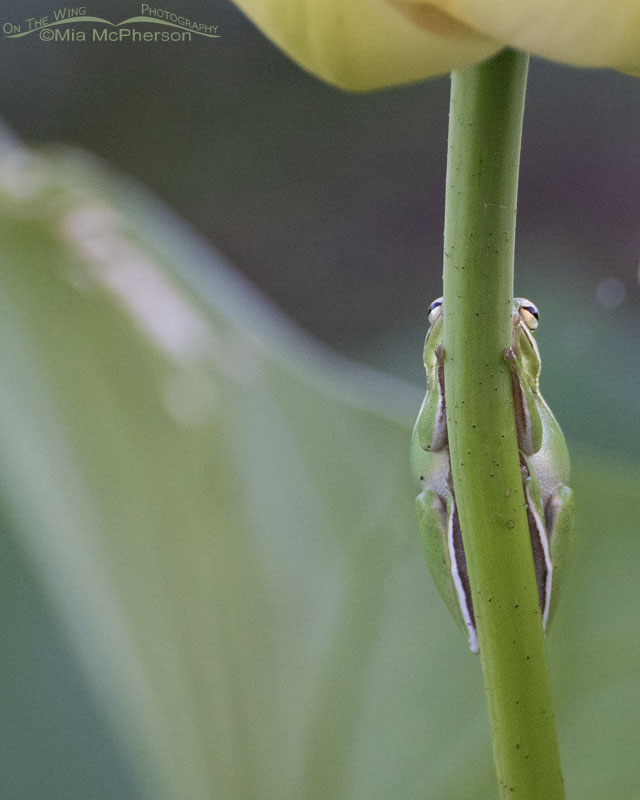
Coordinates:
x,y
435,310
529,314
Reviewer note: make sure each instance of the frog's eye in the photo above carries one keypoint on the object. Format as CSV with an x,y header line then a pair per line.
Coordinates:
x,y
435,310
529,314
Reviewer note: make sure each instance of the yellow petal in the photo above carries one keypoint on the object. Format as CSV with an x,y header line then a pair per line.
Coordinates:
x,y
366,44
588,33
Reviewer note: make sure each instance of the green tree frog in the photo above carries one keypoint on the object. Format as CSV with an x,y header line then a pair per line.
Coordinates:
x,y
544,462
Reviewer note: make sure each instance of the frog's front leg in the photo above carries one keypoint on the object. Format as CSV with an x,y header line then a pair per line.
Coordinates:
x,y
431,427
527,418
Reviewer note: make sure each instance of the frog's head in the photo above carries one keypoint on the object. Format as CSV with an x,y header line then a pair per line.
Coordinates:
x,y
434,334
525,321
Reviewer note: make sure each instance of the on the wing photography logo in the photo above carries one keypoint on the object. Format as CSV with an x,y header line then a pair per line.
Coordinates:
x,y
153,24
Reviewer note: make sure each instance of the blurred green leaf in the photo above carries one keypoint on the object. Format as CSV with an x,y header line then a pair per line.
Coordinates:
x,y
221,514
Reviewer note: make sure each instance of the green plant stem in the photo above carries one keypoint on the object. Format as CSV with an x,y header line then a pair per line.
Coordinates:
x,y
485,128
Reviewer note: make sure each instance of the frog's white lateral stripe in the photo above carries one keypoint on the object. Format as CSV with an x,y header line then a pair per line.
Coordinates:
x,y
544,543
457,582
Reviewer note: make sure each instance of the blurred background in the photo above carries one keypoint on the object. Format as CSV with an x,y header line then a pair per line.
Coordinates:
x,y
332,204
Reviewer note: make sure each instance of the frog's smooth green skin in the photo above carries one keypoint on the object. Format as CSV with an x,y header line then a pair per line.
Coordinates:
x,y
545,473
